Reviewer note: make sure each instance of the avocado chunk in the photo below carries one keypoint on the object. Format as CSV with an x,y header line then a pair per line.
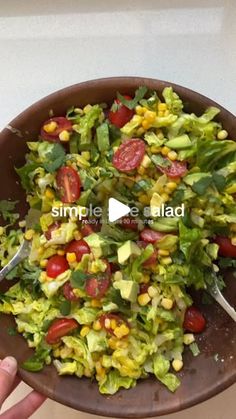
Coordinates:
x,y
95,243
156,202
127,249
183,141
128,289
195,177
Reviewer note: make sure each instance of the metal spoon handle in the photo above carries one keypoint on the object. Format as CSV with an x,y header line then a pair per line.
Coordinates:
x,y
218,296
21,254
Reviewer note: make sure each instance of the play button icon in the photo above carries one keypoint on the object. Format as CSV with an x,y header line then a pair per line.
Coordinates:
x,y
116,209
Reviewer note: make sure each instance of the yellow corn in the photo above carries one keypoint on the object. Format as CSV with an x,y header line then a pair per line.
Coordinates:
x,y
146,124
171,185
86,155
145,279
163,252
107,323
49,193
233,227
140,110
144,199
222,134
150,116
188,338
43,276
161,114
155,149
84,331
71,257
22,223
167,303
161,106
64,136
121,331
172,155
98,367
61,252
165,150
97,325
165,197
144,299
87,108
177,364
29,234
43,263
87,373
140,131
152,291
159,133
40,250
141,170
233,240
166,260
77,235
167,112
112,342
50,127
113,324
95,303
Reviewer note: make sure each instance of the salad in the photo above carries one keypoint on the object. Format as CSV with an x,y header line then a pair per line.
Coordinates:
x,y
110,300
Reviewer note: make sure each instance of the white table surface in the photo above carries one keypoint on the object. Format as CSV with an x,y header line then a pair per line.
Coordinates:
x,y
46,45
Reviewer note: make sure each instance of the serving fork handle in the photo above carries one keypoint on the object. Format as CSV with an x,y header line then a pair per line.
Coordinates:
x,y
20,255
218,296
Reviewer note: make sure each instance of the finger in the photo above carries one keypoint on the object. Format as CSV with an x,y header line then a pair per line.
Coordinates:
x,y
25,408
8,370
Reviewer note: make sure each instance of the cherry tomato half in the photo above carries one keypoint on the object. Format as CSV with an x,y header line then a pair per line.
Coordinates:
x,y
79,247
68,292
60,328
122,115
151,236
111,316
175,169
128,223
129,155
68,183
194,321
62,125
56,265
226,248
51,228
96,287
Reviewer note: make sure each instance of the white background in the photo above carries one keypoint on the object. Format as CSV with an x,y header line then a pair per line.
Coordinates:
x,y
47,45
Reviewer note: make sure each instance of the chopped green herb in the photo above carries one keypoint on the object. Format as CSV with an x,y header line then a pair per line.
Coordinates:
x,y
65,308
56,158
6,210
131,104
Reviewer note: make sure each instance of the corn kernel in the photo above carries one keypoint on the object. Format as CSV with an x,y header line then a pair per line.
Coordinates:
x,y
86,155
141,170
140,131
87,108
145,279
71,257
171,185
87,373
112,342
22,223
1,231
155,149
161,106
146,124
61,252
50,127
144,199
139,110
167,303
84,331
165,150
29,234
64,136
121,331
144,299
163,252
222,134
165,197
77,235
161,114
188,338
137,119
152,291
95,303
113,324
172,155
40,250
177,364
166,260
107,323
167,112
159,133
49,193
43,263
43,276
150,116
233,227
233,240
97,325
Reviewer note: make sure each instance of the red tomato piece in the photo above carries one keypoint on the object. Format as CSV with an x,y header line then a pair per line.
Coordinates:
x,y
79,247
68,292
194,321
152,259
226,248
128,223
96,287
143,288
60,328
56,265
151,236
51,228
63,124
111,316
175,169
68,184
129,155
122,115
86,230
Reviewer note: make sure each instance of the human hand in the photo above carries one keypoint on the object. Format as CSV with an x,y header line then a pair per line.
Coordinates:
x,y
8,382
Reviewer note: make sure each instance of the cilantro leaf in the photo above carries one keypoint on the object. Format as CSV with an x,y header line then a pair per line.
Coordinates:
x,y
56,158
201,185
78,279
219,181
130,104
12,331
36,362
227,263
6,210
24,172
65,307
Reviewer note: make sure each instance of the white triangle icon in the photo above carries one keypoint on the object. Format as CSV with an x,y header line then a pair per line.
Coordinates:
x,y
116,209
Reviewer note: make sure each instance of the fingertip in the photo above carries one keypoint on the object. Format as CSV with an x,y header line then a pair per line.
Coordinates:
x,y
9,365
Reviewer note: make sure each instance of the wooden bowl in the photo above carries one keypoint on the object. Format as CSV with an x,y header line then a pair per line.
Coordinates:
x,y
202,377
